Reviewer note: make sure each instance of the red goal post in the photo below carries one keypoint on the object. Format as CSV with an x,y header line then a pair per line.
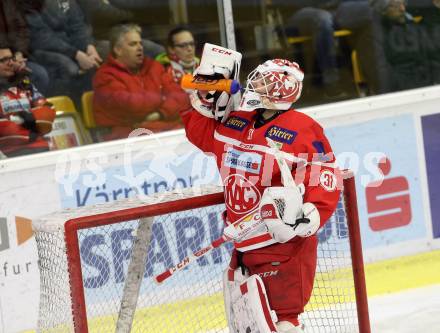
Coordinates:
x,y
97,267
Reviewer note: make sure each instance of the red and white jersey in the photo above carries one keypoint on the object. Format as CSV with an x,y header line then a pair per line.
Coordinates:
x,y
13,136
247,165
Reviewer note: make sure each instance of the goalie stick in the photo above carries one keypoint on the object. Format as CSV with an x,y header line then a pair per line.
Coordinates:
x,y
235,231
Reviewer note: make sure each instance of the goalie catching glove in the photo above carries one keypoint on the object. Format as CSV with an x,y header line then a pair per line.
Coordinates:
x,y
216,63
285,214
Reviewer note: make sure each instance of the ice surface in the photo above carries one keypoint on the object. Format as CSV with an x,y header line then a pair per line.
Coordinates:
x,y
411,311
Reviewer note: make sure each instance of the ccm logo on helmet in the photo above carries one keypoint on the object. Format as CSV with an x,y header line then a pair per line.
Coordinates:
x,y
221,51
253,102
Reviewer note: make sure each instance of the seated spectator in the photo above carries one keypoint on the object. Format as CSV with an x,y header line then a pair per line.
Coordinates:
x,y
102,15
62,42
180,57
315,19
404,46
25,115
14,32
430,25
319,19
133,91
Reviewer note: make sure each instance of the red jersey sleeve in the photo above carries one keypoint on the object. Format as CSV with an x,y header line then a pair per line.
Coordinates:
x,y
199,129
323,181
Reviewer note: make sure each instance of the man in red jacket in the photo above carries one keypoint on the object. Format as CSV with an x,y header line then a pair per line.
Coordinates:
x,y
133,91
25,115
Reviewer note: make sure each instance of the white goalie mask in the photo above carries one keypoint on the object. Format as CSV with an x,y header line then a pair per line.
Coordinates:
x,y
276,85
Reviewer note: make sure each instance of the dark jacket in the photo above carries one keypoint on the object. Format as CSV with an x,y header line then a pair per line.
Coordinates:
x,y
14,33
59,27
406,47
102,16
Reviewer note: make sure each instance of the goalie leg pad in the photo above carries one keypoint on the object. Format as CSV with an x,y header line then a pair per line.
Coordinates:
x,y
250,308
233,276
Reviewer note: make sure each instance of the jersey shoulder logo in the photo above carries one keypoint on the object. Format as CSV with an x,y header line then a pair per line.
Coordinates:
x,y
236,123
280,134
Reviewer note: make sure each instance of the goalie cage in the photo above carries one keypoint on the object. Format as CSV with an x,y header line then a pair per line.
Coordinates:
x,y
87,286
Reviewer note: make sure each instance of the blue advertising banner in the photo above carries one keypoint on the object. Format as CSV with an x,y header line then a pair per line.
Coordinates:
x,y
105,251
431,140
383,154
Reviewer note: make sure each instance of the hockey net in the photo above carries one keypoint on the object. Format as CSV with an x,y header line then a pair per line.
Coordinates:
x,y
97,266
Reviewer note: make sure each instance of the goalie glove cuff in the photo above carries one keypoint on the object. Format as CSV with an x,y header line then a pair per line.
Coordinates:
x,y
202,105
279,231
309,224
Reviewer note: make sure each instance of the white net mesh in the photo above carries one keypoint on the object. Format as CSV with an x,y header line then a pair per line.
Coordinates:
x,y
189,301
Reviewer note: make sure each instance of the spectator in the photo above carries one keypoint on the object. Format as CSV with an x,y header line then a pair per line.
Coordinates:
x,y
430,24
132,90
102,15
62,42
14,32
25,115
359,18
315,18
404,46
180,57
319,19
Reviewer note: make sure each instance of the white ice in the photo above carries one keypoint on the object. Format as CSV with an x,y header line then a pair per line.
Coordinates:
x,y
411,311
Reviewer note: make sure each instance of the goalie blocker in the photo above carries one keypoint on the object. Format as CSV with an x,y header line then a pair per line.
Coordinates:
x,y
217,63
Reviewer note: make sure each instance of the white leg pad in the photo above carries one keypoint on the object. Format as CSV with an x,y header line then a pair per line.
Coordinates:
x,y
249,309
231,281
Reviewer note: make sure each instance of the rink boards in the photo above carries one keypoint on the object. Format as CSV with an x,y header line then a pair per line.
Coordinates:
x,y
402,126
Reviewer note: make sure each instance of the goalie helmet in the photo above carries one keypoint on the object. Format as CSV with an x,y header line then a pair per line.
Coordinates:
x,y
276,85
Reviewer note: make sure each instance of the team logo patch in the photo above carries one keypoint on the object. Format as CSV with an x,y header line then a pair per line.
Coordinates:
x,y
268,212
246,161
281,134
236,123
328,180
241,196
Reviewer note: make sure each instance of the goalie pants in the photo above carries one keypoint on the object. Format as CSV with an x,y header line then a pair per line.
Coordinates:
x,y
288,272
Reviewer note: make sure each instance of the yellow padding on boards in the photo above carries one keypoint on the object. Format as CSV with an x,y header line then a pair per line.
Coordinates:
x,y
398,274
383,277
